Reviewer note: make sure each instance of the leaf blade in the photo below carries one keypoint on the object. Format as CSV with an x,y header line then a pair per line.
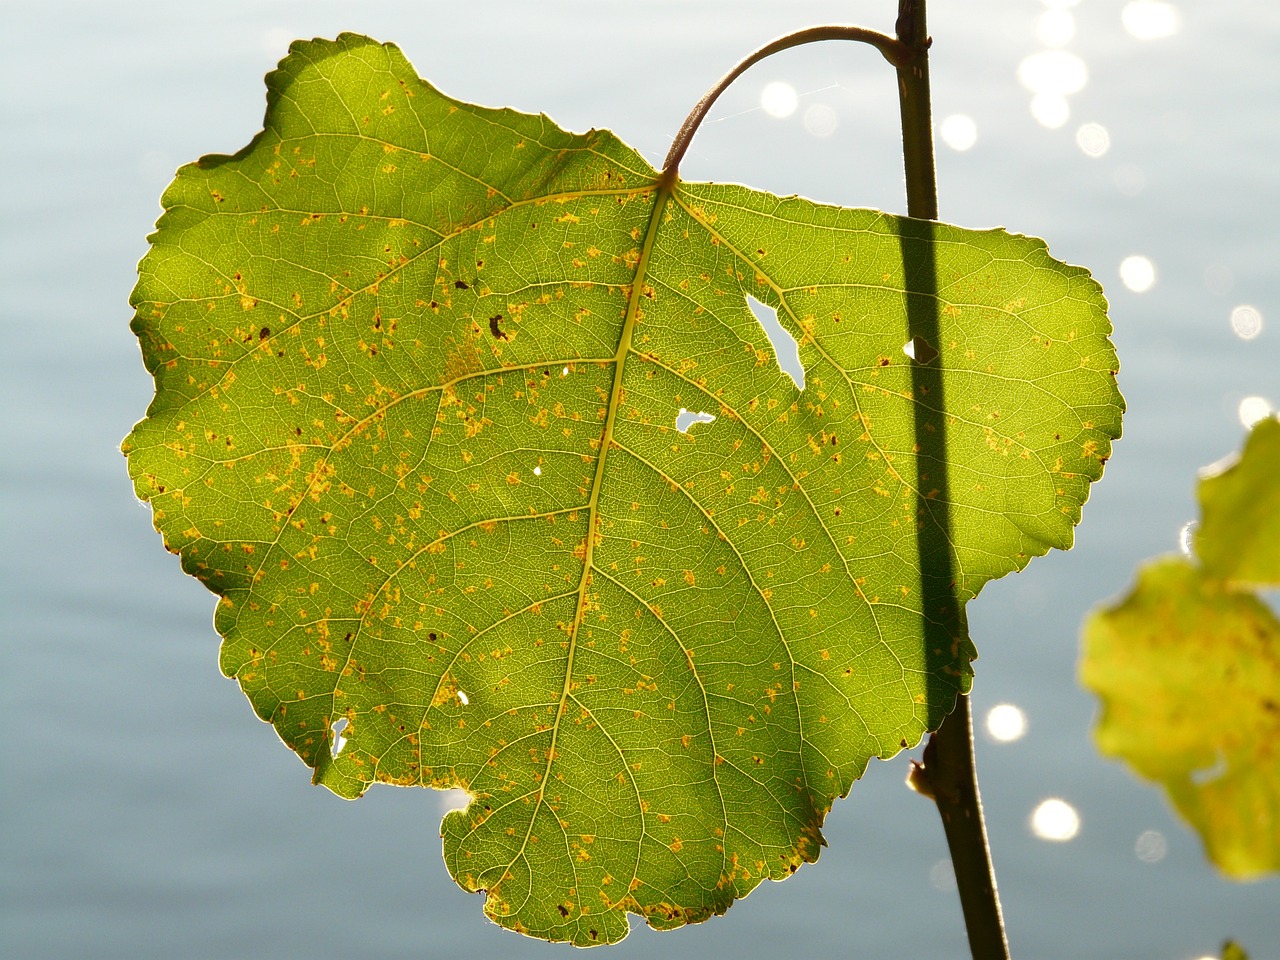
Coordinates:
x,y
418,365
1187,672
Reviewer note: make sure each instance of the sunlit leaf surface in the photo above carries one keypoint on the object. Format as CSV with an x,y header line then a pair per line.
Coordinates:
x,y
418,369
1239,538
1188,670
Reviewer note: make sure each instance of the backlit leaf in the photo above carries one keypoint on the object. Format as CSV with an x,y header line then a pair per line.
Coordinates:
x,y
1188,670
418,369
1239,537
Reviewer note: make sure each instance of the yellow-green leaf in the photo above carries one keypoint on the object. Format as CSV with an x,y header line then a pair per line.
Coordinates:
x,y
1188,672
418,371
1239,537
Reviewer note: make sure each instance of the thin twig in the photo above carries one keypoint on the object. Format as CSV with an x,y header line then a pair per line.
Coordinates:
x,y
893,50
948,774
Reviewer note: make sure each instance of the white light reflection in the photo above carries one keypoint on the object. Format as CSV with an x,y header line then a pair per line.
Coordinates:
x,y
1050,110
1093,139
1187,537
779,99
1150,19
1246,321
1138,274
1151,846
958,132
1055,820
1006,723
820,120
537,471
1054,72
1252,410
1055,27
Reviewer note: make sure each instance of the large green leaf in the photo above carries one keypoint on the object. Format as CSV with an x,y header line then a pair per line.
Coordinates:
x,y
418,366
1188,668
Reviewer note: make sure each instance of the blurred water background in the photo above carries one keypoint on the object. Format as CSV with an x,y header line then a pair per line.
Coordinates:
x,y
147,813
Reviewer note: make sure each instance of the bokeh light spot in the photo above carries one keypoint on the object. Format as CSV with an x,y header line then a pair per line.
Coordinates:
x,y
1006,723
779,99
1093,139
1151,846
959,132
1150,19
1246,321
1050,110
1055,27
1054,72
1138,274
820,120
1055,820
1254,409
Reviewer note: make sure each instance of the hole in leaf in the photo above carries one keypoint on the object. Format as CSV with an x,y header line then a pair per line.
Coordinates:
x,y
339,741
687,418
454,798
920,350
537,471
785,349
463,698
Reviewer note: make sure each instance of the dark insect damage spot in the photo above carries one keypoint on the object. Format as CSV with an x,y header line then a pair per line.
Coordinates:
x,y
461,285
564,911
495,329
264,333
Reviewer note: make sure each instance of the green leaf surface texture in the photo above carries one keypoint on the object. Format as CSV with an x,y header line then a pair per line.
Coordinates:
x,y
1187,667
418,365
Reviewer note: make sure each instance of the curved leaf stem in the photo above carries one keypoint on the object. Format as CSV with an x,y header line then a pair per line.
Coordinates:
x,y
893,50
948,774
